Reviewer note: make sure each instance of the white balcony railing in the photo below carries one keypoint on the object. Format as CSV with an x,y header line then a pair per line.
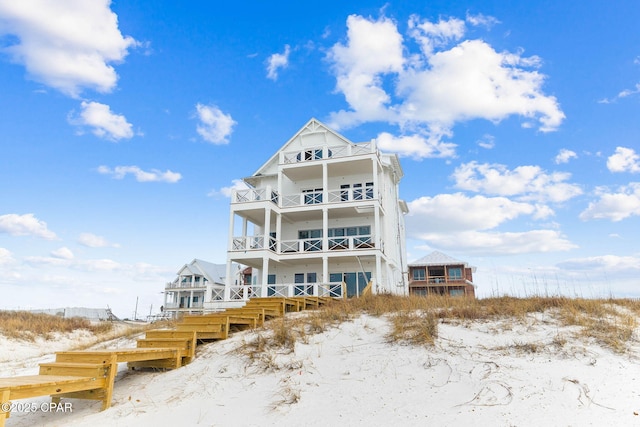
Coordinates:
x,y
331,289
246,243
321,152
186,285
186,306
255,195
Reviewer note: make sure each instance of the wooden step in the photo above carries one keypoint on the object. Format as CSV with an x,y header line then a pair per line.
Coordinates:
x,y
75,369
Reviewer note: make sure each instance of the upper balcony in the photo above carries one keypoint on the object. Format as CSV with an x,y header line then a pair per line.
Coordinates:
x,y
187,284
323,152
309,245
315,197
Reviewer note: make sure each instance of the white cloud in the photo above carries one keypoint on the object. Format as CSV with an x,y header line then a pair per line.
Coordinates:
x,y
624,160
622,94
214,126
457,212
374,48
437,87
416,146
62,253
237,184
6,257
25,225
119,172
615,206
277,61
431,35
66,45
500,243
487,142
603,262
481,20
462,223
527,182
94,241
104,123
565,155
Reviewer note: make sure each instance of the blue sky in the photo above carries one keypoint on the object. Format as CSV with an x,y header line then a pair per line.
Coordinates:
x,y
125,125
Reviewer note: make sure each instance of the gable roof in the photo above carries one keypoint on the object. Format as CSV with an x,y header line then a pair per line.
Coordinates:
x,y
437,258
215,273
313,126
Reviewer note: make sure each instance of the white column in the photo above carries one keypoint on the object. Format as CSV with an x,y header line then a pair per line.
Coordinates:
x,y
325,228
265,276
278,233
378,274
267,227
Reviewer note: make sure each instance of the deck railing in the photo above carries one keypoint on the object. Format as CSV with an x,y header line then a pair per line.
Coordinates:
x,y
244,292
322,152
247,243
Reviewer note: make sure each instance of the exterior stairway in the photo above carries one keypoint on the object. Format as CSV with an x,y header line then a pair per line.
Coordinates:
x,y
91,374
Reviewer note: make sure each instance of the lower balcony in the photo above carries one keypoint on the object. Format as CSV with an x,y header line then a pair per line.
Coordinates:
x,y
349,243
331,289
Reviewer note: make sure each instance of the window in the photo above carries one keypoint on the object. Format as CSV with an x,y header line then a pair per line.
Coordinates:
x,y
312,196
455,273
368,190
344,192
271,279
312,239
357,192
418,274
311,278
298,278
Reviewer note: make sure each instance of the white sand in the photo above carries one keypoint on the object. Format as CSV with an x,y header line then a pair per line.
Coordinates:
x,y
480,373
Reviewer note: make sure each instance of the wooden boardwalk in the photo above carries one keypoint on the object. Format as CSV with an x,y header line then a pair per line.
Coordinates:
x,y
91,374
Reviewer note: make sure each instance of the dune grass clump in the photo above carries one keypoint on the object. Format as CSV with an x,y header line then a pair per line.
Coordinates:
x,y
28,326
414,319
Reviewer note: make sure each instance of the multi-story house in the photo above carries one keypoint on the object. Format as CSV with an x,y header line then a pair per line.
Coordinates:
x,y
195,283
440,274
322,217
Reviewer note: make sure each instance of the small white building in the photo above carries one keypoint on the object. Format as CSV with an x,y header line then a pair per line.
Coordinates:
x,y
196,282
323,217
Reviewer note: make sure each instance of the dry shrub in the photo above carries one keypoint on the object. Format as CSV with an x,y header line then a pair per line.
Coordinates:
x,y
28,326
414,319
413,328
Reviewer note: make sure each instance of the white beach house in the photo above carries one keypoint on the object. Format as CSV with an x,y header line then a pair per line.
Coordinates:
x,y
322,217
195,283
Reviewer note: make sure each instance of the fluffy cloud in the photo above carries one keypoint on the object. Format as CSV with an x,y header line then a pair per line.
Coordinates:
x,y
25,225
496,243
457,212
277,61
624,160
564,156
603,263
614,206
93,241
6,257
66,45
437,87
119,172
237,184
214,126
374,48
104,123
462,223
62,253
416,146
527,182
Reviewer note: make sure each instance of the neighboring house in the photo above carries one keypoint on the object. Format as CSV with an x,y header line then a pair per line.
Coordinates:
x,y
197,282
439,274
321,217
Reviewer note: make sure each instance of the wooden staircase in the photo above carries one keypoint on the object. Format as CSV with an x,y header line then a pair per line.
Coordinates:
x,y
91,374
